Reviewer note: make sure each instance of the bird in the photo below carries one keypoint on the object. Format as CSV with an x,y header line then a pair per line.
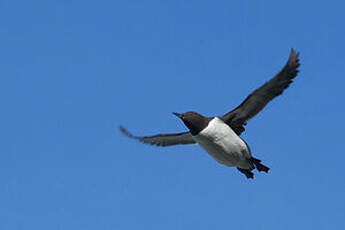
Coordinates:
x,y
220,136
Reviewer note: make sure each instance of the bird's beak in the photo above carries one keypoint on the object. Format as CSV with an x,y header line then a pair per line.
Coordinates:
x,y
177,114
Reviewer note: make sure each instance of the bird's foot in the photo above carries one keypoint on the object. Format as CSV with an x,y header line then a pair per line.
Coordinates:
x,y
246,172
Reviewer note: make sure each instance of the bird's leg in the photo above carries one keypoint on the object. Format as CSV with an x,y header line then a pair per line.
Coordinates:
x,y
246,172
260,167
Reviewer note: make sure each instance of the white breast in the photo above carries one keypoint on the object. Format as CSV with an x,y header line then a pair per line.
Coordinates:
x,y
223,144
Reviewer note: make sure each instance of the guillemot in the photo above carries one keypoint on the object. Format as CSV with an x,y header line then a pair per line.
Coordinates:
x,y
220,135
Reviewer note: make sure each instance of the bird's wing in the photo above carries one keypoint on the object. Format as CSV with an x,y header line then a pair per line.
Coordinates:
x,y
163,139
259,98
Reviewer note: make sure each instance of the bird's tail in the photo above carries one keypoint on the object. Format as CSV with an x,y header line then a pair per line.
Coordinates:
x,y
260,167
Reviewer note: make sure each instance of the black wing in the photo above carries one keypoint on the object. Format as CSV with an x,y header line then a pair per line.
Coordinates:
x,y
259,98
163,139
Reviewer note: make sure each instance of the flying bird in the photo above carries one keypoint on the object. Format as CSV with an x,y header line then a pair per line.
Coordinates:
x,y
220,135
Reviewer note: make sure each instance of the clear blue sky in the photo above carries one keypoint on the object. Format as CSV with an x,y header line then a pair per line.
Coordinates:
x,y
72,71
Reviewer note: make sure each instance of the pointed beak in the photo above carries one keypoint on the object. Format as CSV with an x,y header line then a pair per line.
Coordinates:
x,y
177,114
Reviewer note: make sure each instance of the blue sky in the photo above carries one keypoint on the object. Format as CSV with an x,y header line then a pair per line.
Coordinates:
x,y
73,71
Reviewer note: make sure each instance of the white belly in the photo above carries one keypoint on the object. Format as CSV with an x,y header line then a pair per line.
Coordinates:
x,y
223,144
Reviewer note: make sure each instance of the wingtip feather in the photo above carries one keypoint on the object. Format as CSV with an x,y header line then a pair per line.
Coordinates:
x,y
293,63
294,57
294,52
125,132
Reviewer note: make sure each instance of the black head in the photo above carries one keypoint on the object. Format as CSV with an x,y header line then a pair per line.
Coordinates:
x,y
195,122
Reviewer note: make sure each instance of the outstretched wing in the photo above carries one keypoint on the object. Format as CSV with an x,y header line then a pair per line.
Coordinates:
x,y
163,139
260,97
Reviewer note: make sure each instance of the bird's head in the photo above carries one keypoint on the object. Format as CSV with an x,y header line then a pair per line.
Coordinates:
x,y
194,121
